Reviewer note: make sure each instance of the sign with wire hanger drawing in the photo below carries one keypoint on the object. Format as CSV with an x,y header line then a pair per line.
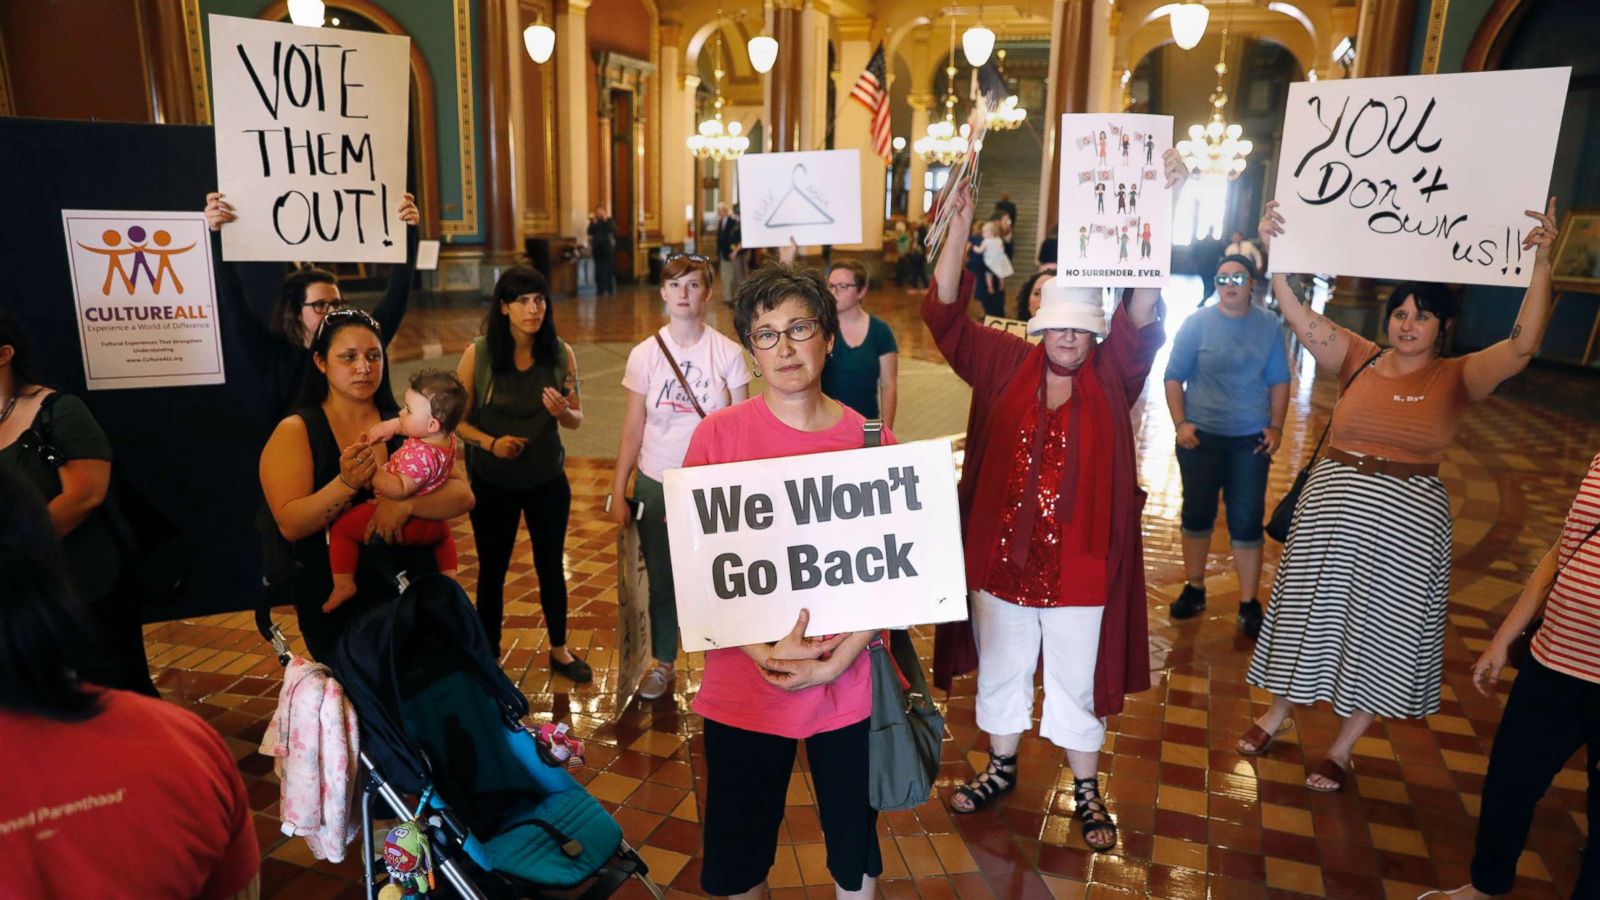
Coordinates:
x,y
812,197
1419,176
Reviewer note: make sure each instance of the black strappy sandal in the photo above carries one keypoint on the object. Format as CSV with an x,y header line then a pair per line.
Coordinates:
x,y
1090,808
999,777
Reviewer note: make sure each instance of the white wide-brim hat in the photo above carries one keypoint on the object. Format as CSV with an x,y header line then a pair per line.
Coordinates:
x,y
1069,307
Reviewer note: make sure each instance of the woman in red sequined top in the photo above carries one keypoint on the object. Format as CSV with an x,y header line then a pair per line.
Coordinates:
x,y
1050,509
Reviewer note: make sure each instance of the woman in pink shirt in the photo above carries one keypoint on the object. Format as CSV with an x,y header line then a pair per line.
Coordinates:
x,y
760,701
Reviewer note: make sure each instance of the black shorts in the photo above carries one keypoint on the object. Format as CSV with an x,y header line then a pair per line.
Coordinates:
x,y
747,778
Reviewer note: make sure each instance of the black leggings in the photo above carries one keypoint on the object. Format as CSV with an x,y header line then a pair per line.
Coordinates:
x,y
494,528
748,778
1548,717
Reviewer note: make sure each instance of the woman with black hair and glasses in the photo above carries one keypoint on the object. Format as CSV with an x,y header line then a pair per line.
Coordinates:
x,y
674,378
1227,387
281,349
522,387
316,465
51,440
101,783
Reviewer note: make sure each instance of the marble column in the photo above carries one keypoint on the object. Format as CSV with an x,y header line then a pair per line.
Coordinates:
x,y
572,114
501,235
1072,24
814,25
921,101
677,123
1383,47
852,128
167,55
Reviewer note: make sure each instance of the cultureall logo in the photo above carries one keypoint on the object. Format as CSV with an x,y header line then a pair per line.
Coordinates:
x,y
129,254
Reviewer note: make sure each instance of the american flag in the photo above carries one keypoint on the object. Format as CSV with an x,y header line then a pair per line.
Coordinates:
x,y
872,91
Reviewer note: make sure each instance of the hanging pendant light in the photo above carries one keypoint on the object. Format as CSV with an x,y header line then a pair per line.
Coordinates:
x,y
1189,24
977,43
307,13
763,52
1216,149
540,40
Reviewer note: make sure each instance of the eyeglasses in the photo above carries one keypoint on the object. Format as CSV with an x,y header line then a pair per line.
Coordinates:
x,y
799,330
843,286
29,440
345,315
324,307
1234,278
691,257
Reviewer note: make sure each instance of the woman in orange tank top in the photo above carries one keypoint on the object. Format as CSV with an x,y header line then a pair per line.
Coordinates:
x,y
1358,607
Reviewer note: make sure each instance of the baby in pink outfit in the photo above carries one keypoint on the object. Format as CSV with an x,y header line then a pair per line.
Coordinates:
x,y
435,402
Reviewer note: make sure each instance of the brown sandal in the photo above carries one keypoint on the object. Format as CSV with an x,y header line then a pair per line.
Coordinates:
x,y
1258,738
1333,772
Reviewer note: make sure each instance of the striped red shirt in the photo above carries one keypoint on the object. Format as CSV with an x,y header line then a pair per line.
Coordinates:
x,y
1569,640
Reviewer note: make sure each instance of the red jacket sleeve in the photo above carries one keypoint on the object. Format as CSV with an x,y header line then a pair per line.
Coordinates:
x,y
980,356
1129,350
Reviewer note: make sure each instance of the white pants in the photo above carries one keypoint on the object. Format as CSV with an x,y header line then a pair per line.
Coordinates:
x,y
1009,637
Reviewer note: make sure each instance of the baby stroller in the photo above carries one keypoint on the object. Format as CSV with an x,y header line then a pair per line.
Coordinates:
x,y
441,722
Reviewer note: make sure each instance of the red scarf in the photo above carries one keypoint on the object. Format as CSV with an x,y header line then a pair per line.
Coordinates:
x,y
1085,503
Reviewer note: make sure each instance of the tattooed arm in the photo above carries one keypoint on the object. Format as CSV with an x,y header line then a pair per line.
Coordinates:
x,y
1326,340
1486,369
300,507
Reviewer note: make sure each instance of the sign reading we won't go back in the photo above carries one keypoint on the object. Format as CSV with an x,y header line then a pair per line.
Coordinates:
x,y
1418,177
864,539
311,140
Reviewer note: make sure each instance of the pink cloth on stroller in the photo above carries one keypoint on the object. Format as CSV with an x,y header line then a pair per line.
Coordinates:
x,y
316,746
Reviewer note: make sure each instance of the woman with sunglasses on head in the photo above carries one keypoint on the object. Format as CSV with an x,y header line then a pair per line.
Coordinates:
x,y
51,440
281,349
316,465
759,701
1227,385
1358,606
674,378
1050,506
522,388
863,368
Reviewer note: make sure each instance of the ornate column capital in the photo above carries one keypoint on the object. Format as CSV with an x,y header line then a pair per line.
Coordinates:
x,y
854,28
920,102
572,7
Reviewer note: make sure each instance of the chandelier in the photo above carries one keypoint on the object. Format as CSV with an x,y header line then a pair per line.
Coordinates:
x,y
1216,148
1009,115
717,140
944,145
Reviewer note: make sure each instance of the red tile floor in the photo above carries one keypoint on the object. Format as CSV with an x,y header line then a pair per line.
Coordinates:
x,y
1197,819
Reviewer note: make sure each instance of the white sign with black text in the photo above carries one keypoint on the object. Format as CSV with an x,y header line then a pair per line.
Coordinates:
x,y
311,140
1421,177
812,197
1116,210
864,539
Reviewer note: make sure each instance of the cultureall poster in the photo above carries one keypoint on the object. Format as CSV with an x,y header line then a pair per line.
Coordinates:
x,y
311,128
143,285
1419,177
1115,216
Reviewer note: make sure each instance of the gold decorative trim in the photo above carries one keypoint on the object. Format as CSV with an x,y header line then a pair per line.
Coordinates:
x,y
199,82
5,82
540,221
1430,50
467,224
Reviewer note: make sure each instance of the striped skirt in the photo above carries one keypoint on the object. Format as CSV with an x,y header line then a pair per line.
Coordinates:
x,y
1358,608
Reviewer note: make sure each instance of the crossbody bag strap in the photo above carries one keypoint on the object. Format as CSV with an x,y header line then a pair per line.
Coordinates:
x,y
1562,563
679,372
1329,427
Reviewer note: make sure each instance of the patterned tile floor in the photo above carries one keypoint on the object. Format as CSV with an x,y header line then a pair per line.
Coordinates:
x,y
1197,819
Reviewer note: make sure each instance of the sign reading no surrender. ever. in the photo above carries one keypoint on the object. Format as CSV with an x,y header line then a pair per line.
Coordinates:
x,y
864,539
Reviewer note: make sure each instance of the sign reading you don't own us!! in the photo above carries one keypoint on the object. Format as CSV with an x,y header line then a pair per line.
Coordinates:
x,y
311,140
864,539
1418,177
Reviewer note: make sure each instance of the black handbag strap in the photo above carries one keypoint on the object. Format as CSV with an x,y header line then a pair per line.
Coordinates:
x,y
1329,427
1561,564
679,372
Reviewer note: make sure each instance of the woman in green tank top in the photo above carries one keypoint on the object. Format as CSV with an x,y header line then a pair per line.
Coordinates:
x,y
522,381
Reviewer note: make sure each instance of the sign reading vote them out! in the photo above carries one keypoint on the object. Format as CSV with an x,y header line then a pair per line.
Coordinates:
x,y
311,140
864,539
1420,177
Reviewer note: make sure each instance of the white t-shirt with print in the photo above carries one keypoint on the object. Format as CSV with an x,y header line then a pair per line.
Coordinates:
x,y
713,366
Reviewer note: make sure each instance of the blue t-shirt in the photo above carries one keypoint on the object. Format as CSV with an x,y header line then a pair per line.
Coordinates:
x,y
850,374
1226,366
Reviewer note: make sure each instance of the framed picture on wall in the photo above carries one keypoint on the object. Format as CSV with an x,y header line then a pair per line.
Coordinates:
x,y
1577,252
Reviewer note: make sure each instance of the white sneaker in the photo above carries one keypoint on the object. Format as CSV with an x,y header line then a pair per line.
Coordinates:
x,y
655,683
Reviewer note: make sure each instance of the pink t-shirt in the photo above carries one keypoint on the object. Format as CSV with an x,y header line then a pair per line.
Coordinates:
x,y
732,691
422,462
